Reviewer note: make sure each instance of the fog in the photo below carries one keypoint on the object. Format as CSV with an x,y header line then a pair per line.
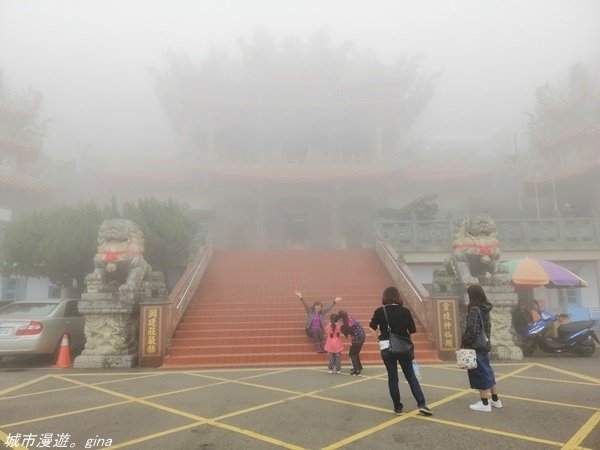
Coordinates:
x,y
90,58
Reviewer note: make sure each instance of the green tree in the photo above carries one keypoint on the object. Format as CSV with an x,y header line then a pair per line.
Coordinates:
x,y
57,243
60,243
169,227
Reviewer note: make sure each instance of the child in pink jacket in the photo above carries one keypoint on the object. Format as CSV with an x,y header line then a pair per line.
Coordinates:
x,y
333,343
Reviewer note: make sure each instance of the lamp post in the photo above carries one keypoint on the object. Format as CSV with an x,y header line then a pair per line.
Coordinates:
x,y
518,169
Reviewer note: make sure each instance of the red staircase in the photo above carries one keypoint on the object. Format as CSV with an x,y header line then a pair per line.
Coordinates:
x,y
246,314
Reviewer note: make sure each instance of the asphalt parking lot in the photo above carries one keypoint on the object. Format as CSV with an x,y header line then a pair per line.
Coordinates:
x,y
549,402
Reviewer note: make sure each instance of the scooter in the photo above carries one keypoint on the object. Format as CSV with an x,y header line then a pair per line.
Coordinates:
x,y
574,337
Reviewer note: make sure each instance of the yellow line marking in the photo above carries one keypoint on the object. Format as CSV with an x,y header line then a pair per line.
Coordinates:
x,y
114,374
298,394
214,422
156,435
491,431
369,431
237,369
345,402
515,372
585,383
179,391
194,417
253,408
69,413
257,436
201,374
84,385
22,385
50,391
384,425
244,383
466,391
573,374
138,400
4,439
548,402
455,368
583,432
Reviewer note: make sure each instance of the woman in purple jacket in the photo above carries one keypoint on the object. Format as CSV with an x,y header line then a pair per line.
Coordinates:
x,y
314,324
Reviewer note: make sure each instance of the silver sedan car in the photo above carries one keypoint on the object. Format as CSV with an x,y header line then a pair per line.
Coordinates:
x,y
36,327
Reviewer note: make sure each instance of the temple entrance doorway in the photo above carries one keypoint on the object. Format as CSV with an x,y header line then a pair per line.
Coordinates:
x,y
356,214
297,223
236,221
295,228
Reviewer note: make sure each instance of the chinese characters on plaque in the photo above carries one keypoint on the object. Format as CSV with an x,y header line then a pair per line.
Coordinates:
x,y
151,327
448,339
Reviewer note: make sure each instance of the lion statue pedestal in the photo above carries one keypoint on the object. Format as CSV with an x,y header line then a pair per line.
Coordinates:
x,y
475,259
120,280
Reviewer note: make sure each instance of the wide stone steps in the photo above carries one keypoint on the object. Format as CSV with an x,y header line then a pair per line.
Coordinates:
x,y
290,357
245,312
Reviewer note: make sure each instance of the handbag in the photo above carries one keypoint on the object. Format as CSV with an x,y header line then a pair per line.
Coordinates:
x,y
399,345
466,358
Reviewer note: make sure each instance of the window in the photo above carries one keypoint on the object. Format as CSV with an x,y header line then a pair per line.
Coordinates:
x,y
22,309
568,296
54,292
9,289
14,289
573,296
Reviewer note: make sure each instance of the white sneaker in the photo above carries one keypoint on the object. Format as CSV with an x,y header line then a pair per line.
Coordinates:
x,y
331,371
496,404
479,406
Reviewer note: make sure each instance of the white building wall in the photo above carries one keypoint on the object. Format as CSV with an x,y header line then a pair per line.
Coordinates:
x,y
423,272
37,288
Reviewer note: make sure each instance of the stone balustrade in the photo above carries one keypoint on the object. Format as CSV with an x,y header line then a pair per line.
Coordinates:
x,y
514,234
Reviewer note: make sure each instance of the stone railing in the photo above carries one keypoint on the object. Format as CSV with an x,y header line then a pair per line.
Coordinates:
x,y
514,234
182,293
415,295
159,318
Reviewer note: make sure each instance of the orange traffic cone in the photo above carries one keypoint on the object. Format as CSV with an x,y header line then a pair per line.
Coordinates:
x,y
63,360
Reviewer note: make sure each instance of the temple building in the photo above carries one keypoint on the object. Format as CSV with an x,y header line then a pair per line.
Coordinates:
x,y
293,146
299,146
27,177
562,174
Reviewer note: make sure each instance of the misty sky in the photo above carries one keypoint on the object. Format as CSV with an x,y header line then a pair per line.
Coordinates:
x,y
89,57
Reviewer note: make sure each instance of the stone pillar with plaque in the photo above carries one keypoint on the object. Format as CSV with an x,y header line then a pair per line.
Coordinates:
x,y
120,281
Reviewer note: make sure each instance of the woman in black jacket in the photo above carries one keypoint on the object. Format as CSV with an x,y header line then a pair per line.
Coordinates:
x,y
402,323
478,329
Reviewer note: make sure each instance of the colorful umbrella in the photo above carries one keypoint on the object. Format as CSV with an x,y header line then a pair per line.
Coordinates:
x,y
539,272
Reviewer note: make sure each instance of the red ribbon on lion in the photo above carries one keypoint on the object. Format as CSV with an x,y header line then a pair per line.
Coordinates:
x,y
483,249
114,256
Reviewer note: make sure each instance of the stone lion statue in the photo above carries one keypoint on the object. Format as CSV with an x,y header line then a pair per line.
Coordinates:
x,y
475,257
119,263
476,250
